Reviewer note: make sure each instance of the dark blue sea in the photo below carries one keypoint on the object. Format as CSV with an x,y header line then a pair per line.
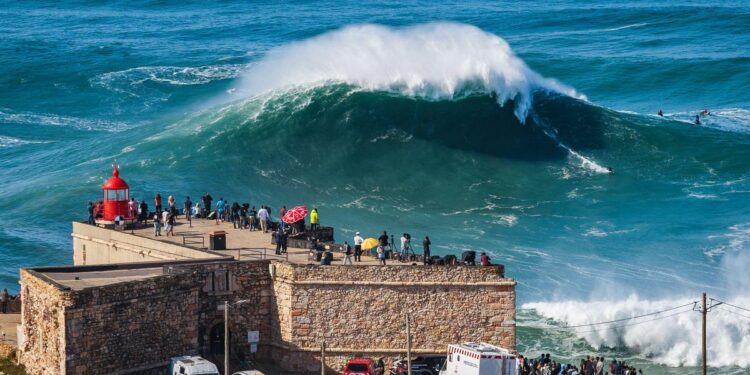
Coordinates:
x,y
487,125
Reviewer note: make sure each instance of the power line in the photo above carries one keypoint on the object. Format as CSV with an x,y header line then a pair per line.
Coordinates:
x,y
734,312
633,324
632,317
729,304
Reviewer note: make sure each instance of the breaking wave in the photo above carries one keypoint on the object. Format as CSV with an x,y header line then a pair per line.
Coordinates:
x,y
672,337
435,61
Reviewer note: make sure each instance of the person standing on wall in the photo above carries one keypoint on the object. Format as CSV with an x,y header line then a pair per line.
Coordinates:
x,y
314,221
383,241
4,299
252,217
358,247
157,225
172,207
426,250
347,253
132,207
220,206
282,212
381,255
207,199
187,206
277,236
157,203
91,214
284,241
170,223
144,212
263,216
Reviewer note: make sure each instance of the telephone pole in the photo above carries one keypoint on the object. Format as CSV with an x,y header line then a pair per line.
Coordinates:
x,y
226,337
323,359
704,311
408,345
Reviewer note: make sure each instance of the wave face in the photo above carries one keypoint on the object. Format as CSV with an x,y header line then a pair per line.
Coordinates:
x,y
437,61
436,129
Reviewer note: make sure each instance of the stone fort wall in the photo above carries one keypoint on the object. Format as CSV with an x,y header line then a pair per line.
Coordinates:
x,y
361,310
136,326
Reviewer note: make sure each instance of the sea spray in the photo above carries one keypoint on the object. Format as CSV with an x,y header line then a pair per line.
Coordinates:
x,y
671,337
436,61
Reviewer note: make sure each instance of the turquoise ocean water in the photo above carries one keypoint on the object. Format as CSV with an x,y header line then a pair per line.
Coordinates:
x,y
487,125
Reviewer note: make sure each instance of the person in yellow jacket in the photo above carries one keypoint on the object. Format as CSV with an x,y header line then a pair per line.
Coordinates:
x,y
314,223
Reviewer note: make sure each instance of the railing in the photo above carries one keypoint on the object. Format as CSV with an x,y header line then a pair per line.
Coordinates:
x,y
193,239
258,253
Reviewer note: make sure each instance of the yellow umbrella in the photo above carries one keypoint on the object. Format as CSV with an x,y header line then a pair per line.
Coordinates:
x,y
370,243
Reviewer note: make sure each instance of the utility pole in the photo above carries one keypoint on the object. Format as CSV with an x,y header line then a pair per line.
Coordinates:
x,y
323,358
704,311
408,345
226,337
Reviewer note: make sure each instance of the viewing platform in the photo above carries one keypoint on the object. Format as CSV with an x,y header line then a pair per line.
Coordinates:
x,y
191,241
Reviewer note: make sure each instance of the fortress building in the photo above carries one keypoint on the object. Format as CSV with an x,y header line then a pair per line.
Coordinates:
x,y
131,301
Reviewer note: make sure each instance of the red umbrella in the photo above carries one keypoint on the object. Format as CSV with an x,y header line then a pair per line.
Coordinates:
x,y
295,214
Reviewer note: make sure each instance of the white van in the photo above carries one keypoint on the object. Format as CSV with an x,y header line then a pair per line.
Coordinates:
x,y
191,365
479,359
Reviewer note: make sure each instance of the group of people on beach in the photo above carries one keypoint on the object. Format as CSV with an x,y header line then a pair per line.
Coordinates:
x,y
591,365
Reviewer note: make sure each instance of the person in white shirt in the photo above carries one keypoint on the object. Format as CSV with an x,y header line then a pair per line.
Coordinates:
x,y
263,216
358,247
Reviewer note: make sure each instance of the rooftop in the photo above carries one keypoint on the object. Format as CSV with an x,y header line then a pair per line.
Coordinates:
x,y
88,277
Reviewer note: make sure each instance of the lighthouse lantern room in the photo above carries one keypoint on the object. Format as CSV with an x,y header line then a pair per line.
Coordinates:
x,y
115,203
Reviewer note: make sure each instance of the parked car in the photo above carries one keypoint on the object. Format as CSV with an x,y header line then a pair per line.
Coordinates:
x,y
363,366
191,365
422,365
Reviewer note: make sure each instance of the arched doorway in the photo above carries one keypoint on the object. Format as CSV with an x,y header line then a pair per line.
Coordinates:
x,y
216,339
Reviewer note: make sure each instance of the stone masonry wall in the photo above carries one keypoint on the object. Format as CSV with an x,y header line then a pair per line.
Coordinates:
x,y
132,325
43,321
250,283
361,310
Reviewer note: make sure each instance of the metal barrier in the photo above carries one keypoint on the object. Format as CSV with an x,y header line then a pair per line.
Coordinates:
x,y
194,239
258,253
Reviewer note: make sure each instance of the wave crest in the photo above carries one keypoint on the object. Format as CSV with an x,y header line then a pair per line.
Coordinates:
x,y
435,61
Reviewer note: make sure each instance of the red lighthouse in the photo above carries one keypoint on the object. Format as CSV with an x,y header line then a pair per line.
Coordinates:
x,y
116,197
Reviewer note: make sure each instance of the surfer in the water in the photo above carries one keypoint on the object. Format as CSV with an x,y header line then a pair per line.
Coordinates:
x,y
660,113
610,170
697,120
705,113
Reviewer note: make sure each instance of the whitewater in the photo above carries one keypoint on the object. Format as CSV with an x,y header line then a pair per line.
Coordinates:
x,y
489,128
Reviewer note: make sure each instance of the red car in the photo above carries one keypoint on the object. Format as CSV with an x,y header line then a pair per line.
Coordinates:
x,y
362,366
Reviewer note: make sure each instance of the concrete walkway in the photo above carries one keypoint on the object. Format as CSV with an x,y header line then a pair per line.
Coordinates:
x,y
8,327
243,244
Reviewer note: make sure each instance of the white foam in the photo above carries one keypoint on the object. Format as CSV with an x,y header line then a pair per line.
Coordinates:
x,y
433,61
627,26
6,142
393,134
47,119
119,81
673,337
725,119
671,340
